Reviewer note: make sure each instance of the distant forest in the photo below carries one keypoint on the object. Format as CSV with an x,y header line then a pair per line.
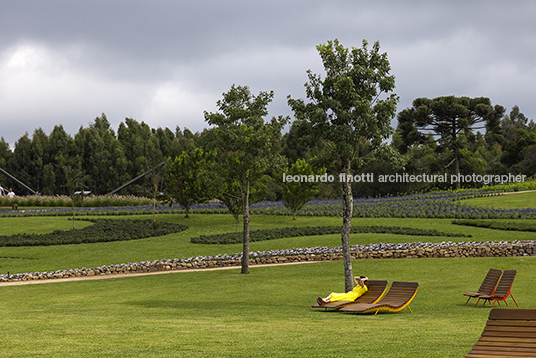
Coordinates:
x,y
109,158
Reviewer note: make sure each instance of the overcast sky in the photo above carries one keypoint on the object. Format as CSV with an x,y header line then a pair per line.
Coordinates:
x,y
165,62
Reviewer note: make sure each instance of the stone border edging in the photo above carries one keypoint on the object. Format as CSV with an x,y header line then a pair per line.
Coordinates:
x,y
510,250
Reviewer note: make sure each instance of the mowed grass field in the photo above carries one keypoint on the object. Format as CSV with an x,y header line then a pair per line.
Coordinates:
x,y
265,313
507,201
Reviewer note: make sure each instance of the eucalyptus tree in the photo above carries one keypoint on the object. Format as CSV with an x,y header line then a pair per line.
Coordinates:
x,y
21,161
351,105
134,137
40,158
5,153
248,145
62,148
103,157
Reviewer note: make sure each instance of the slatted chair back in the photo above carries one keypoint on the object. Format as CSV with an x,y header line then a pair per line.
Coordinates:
x,y
508,333
503,289
376,289
397,298
487,287
399,294
505,284
490,282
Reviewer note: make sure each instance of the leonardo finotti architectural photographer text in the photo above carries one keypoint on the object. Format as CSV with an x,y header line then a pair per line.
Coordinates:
x,y
406,178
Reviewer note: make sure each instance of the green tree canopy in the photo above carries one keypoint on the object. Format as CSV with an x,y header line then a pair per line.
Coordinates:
x,y
448,117
191,178
353,103
297,193
247,143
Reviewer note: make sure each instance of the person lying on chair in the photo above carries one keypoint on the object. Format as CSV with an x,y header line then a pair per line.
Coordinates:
x,y
358,291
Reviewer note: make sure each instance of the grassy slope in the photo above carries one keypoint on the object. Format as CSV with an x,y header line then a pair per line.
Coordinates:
x,y
225,314
49,258
508,201
264,314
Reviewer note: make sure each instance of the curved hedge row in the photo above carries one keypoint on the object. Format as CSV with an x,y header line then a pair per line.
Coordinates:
x,y
498,225
103,230
270,234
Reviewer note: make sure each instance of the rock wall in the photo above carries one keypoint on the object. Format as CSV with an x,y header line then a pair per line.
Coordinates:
x,y
457,251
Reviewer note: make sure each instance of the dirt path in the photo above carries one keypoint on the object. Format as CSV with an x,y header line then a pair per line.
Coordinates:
x,y
104,277
517,192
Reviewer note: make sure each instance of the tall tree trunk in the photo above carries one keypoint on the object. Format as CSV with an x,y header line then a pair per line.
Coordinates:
x,y
348,206
245,248
72,202
457,166
187,211
154,206
456,154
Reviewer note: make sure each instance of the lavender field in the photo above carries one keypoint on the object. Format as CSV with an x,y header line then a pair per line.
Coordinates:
x,y
449,204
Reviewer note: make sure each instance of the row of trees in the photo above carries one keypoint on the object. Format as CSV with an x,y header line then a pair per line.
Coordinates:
x,y
106,158
343,126
492,142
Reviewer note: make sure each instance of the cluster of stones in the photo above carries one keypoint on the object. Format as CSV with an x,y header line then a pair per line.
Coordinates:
x,y
456,251
511,250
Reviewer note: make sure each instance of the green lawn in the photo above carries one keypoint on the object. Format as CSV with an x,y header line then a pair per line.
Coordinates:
x,y
223,313
508,201
51,258
266,313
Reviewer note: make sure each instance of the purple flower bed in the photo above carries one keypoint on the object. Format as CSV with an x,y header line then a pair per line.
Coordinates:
x,y
431,205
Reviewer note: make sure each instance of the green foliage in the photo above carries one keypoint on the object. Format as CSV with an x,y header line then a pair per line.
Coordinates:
x,y
351,111
346,106
515,151
191,178
102,156
109,160
246,141
451,118
499,225
249,148
65,201
103,230
297,193
271,234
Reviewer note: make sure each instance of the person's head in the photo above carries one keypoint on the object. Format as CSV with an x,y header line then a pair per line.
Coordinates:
x,y
363,280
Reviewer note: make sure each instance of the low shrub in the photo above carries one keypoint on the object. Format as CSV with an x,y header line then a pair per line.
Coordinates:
x,y
270,234
103,230
499,225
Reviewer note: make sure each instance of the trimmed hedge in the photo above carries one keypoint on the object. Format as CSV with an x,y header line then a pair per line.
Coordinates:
x,y
103,230
492,224
270,234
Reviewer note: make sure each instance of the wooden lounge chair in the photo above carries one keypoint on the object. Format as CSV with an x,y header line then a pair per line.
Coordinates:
x,y
397,298
375,291
509,332
487,287
503,290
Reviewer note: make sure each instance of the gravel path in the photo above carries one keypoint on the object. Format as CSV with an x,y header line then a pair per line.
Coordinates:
x,y
103,277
